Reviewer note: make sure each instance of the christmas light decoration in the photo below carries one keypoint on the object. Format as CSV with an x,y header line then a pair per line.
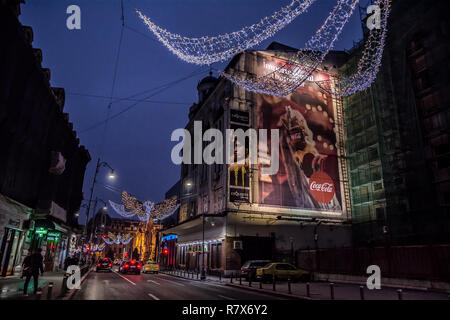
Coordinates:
x,y
135,207
368,65
165,208
207,50
286,78
123,239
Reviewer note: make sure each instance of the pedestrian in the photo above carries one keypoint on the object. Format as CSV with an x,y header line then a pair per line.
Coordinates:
x,y
66,262
26,266
36,266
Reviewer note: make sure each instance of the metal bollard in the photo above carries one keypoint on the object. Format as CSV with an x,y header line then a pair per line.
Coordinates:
x,y
273,282
240,279
250,281
220,276
332,290
49,290
289,285
308,292
64,283
361,292
260,283
231,279
197,275
38,294
400,294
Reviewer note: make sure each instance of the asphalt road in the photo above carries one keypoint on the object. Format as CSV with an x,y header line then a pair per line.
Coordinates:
x,y
117,286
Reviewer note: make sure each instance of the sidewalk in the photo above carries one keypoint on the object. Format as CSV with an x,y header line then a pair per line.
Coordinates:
x,y
11,288
324,291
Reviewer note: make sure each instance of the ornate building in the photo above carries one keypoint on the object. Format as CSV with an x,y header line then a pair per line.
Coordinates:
x,y
231,212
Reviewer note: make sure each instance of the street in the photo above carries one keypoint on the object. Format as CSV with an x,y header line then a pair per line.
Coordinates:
x,y
117,286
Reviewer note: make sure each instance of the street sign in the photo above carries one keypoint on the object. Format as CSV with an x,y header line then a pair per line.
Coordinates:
x,y
41,231
53,236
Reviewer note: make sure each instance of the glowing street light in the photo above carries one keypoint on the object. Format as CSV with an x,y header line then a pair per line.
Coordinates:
x,y
112,175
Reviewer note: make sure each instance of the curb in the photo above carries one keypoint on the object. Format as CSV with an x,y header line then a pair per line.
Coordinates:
x,y
269,292
70,294
265,291
176,276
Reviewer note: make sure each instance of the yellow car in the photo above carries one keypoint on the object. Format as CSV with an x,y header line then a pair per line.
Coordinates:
x,y
282,271
151,266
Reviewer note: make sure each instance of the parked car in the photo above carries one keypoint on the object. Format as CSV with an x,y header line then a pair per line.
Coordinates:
x,y
151,266
248,270
282,271
132,266
104,264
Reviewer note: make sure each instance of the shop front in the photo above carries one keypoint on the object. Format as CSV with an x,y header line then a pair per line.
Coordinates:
x,y
53,239
199,243
12,235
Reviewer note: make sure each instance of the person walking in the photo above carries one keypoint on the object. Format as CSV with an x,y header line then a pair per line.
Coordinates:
x,y
36,265
26,266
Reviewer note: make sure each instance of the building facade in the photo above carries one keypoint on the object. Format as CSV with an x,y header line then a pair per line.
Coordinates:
x,y
231,212
42,164
398,133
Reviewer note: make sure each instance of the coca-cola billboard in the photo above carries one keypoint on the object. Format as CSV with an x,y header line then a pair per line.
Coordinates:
x,y
308,176
321,187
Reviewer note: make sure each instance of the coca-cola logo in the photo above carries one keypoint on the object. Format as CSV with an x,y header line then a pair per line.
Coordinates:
x,y
321,187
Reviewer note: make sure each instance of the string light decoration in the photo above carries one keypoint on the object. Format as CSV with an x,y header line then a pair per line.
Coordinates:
x,y
369,64
165,208
136,208
288,77
207,50
112,238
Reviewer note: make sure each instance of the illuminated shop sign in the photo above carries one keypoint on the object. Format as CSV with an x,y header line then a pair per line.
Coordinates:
x,y
41,231
53,236
169,237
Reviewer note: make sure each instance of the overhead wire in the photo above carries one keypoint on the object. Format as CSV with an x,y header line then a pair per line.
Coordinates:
x,y
161,89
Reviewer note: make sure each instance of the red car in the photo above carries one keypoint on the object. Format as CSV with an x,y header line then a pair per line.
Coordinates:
x,y
132,266
104,264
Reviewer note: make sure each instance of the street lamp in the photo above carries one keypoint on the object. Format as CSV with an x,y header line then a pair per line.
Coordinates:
x,y
101,219
203,273
112,175
97,169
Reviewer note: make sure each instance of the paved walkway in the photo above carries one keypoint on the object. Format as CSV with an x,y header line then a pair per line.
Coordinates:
x,y
12,287
323,291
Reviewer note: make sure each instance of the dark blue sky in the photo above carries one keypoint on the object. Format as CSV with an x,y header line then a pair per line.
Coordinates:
x,y
137,143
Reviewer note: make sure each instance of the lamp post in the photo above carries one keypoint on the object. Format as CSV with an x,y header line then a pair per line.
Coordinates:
x,y
94,232
203,274
97,169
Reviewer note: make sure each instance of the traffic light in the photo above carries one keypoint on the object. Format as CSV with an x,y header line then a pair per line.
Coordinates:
x,y
165,252
104,236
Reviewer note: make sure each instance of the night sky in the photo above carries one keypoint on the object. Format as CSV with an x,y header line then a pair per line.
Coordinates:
x,y
137,143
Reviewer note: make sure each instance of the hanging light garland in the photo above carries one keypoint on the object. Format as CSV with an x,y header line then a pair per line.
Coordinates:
x,y
207,50
368,65
165,208
123,239
288,77
135,207
297,69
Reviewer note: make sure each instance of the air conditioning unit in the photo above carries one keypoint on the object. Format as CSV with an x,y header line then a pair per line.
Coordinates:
x,y
237,245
